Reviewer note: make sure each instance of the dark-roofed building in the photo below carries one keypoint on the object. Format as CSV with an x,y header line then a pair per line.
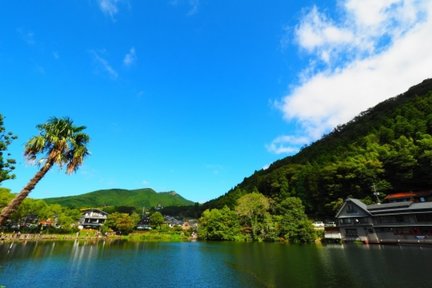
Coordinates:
x,y
392,222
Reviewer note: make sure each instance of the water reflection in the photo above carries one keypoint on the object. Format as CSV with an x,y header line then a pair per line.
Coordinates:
x,y
133,264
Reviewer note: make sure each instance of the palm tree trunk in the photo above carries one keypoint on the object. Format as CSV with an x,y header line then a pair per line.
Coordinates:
x,y
13,205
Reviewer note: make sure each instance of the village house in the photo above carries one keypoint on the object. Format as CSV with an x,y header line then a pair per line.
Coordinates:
x,y
93,218
402,218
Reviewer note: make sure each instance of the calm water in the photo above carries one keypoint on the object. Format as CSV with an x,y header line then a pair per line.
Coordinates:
x,y
197,264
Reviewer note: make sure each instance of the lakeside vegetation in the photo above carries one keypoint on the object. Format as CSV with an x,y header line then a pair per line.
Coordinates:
x,y
35,216
257,218
90,235
254,219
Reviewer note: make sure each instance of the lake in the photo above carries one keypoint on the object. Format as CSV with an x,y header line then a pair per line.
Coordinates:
x,y
207,264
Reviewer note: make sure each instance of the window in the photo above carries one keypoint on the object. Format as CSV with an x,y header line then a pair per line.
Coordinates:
x,y
350,208
346,221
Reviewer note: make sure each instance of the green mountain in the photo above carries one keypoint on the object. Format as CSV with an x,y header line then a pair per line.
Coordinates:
x,y
138,198
387,148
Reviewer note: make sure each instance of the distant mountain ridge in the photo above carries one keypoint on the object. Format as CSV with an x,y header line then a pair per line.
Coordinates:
x,y
137,198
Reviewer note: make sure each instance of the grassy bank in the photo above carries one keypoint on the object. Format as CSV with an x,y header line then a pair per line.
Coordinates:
x,y
147,236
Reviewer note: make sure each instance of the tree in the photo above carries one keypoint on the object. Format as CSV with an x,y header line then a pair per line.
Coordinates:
x,y
122,222
219,224
253,208
6,164
5,197
295,226
61,143
156,219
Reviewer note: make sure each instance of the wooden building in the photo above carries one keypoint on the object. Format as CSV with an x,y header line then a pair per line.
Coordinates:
x,y
404,218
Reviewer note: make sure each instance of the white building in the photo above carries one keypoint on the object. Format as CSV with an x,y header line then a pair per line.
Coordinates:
x,y
93,218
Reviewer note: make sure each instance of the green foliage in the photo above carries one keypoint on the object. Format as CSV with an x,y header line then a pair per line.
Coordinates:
x,y
254,220
32,211
220,224
156,219
158,236
60,143
5,197
121,197
122,223
387,148
295,227
7,164
252,208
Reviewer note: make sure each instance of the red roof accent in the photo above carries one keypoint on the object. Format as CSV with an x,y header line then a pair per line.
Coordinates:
x,y
407,195
400,195
46,222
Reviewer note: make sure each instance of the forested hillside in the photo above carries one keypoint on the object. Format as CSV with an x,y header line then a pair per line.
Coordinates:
x,y
387,148
138,198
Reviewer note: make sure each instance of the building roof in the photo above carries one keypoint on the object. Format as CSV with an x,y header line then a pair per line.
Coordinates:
x,y
359,203
94,210
421,205
385,206
390,208
355,201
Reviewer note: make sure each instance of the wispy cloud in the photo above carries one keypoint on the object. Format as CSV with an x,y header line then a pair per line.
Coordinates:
x,y
214,168
110,7
287,144
103,64
130,57
374,51
192,5
27,36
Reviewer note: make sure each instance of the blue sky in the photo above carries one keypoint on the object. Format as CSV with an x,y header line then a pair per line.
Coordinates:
x,y
194,95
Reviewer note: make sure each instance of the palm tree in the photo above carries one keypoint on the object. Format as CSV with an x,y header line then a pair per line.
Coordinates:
x,y
61,143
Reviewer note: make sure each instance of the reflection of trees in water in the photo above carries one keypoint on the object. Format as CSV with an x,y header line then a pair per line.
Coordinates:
x,y
210,264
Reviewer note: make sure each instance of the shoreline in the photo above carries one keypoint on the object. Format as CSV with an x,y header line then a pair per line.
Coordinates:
x,y
138,237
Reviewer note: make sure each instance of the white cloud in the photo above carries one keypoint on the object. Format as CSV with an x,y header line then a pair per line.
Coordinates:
x,y
108,7
287,144
316,31
103,64
388,51
365,28
130,57
111,7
